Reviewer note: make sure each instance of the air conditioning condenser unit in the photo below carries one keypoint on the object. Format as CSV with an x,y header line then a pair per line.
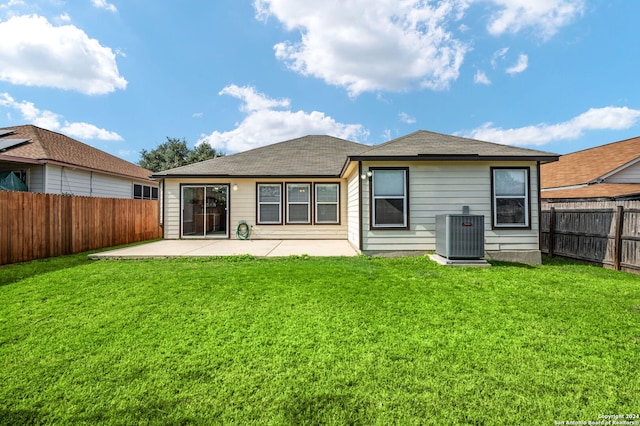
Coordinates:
x,y
460,236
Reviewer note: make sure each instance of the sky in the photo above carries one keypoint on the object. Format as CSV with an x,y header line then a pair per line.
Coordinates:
x,y
555,75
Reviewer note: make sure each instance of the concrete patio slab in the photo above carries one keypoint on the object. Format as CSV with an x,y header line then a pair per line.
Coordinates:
x,y
224,247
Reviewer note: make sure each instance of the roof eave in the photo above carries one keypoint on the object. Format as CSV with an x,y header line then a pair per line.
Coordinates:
x,y
454,157
229,176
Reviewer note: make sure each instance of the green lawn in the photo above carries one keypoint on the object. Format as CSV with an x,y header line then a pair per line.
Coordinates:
x,y
315,341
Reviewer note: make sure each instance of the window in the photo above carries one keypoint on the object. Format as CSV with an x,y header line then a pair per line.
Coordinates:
x,y
144,192
298,203
510,189
269,203
327,205
390,198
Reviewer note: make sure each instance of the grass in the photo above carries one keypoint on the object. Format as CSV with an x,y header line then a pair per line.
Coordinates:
x,y
315,341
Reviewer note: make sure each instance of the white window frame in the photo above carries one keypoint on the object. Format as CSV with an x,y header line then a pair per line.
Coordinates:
x,y
404,197
260,203
299,203
327,203
526,197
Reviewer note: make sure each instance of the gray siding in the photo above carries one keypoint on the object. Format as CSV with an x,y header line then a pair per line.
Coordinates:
x,y
630,174
353,209
65,180
444,188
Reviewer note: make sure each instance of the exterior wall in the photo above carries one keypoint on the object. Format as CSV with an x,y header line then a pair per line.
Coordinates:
x,y
630,174
35,178
64,180
35,174
242,207
353,209
444,188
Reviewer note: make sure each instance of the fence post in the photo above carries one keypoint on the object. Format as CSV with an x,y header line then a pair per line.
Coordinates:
x,y
617,243
552,231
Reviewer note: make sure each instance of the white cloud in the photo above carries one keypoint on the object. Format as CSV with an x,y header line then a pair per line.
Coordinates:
x,y
63,18
481,78
86,131
498,55
51,121
197,115
36,53
406,118
607,118
103,4
544,16
11,3
520,66
390,45
270,120
365,45
253,101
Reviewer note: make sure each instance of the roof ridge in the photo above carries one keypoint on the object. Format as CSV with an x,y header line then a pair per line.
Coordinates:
x,y
606,145
63,149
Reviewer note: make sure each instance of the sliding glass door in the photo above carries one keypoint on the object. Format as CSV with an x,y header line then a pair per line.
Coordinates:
x,y
205,211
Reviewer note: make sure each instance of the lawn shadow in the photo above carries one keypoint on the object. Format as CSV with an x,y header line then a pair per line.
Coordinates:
x,y
10,274
20,417
504,264
19,271
319,409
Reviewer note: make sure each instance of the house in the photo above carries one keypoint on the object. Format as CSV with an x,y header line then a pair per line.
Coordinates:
x,y
52,163
603,173
382,199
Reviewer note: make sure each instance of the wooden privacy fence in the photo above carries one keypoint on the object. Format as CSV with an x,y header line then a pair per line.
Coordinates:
x,y
36,226
607,235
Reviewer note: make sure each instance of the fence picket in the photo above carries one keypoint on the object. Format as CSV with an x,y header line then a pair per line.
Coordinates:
x,y
607,233
35,226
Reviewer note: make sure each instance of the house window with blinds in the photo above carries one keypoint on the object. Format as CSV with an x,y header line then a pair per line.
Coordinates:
x,y
510,197
390,198
269,204
327,205
298,203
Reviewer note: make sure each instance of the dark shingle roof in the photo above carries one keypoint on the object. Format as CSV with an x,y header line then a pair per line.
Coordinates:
x,y
305,156
316,156
47,146
429,144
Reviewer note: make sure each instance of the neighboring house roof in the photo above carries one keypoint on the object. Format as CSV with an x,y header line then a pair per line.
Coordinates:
x,y
427,145
603,191
308,156
39,146
326,156
585,174
590,165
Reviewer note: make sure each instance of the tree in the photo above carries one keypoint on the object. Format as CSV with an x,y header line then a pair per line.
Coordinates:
x,y
175,153
201,152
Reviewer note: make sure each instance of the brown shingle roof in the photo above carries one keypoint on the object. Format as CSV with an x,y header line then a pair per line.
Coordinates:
x,y
601,190
429,144
589,165
305,156
47,146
